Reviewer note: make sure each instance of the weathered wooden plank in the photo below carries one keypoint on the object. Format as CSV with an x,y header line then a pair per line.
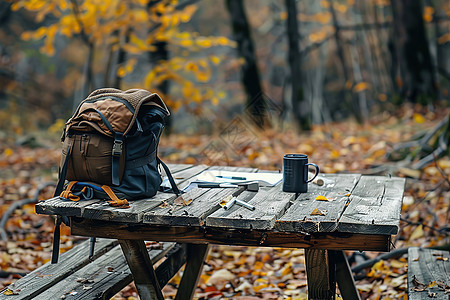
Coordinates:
x,y
133,214
104,277
200,203
427,266
176,168
183,177
375,206
49,275
242,237
270,204
336,189
55,206
99,209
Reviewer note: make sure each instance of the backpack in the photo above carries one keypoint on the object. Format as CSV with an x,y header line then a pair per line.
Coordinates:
x,y
110,147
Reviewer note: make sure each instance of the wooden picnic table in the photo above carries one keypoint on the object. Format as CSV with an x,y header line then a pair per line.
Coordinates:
x,y
360,213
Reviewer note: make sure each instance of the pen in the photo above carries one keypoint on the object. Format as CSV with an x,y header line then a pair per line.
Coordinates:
x,y
231,177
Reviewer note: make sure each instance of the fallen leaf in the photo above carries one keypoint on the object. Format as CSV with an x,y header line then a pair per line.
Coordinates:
x,y
417,233
9,292
318,212
220,276
321,198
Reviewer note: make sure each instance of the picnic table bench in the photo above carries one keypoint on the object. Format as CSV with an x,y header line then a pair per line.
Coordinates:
x,y
360,213
428,274
78,276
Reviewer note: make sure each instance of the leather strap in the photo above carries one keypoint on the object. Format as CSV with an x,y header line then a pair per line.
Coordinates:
x,y
115,201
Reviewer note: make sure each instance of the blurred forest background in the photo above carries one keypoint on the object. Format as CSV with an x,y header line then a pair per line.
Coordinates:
x,y
359,86
305,62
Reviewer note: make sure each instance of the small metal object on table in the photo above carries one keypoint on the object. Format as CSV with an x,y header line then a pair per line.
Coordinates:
x,y
360,213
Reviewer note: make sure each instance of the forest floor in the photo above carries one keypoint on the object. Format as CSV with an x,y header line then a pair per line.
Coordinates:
x,y
247,272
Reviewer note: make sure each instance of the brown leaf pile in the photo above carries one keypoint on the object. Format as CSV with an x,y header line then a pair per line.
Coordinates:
x,y
245,272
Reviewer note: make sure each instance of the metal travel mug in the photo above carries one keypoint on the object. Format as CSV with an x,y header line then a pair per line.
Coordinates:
x,y
295,173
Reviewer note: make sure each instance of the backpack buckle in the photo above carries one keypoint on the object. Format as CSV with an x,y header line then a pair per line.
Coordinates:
x,y
117,148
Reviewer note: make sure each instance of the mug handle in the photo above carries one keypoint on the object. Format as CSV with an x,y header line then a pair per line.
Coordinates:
x,y
317,171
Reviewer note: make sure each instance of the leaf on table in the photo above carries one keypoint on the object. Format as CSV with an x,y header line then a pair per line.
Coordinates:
x,y
321,198
181,202
318,212
9,292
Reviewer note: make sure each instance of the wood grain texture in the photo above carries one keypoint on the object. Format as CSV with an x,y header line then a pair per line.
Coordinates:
x,y
141,266
196,255
243,237
49,274
320,274
336,189
428,265
194,206
102,278
270,204
375,206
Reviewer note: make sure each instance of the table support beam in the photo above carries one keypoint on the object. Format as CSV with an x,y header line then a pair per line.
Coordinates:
x,y
196,255
142,269
320,273
344,276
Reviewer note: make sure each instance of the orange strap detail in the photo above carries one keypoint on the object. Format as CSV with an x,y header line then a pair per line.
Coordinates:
x,y
67,193
115,201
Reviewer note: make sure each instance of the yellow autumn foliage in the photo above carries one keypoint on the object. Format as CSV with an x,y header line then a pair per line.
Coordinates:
x,y
111,23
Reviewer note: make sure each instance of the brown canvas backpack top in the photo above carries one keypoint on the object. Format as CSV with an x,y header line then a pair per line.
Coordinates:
x,y
110,147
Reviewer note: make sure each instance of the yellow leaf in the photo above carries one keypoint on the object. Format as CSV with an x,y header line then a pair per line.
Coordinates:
x,y
335,153
214,59
318,212
121,71
203,42
186,43
191,67
398,264
215,101
321,198
418,118
378,266
417,233
283,16
360,87
8,152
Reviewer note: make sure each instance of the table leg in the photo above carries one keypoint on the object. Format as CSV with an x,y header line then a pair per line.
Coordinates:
x,y
142,269
196,255
320,273
344,276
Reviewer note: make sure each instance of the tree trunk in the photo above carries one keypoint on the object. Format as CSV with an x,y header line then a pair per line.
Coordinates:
x,y
347,95
250,74
301,107
161,53
418,83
